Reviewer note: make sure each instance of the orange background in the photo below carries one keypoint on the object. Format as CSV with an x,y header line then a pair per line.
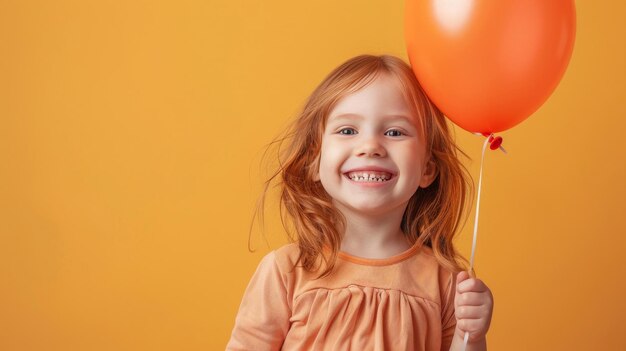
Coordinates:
x,y
130,139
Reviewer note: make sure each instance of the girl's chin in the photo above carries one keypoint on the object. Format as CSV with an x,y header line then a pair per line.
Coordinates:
x,y
372,209
363,204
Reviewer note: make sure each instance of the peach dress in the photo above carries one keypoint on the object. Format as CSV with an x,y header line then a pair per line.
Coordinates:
x,y
404,302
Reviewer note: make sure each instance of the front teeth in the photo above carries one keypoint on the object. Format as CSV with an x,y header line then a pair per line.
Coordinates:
x,y
369,178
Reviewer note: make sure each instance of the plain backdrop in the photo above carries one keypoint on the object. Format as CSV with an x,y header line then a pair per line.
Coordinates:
x,y
131,135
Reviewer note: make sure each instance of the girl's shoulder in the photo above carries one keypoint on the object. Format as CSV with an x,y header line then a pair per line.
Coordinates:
x,y
284,257
288,252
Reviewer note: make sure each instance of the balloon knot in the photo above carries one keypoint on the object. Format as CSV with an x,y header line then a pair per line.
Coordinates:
x,y
495,142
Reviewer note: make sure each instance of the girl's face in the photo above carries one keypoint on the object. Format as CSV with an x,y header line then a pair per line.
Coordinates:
x,y
372,158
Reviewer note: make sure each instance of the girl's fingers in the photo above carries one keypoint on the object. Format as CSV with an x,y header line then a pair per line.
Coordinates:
x,y
471,312
470,325
470,299
470,284
475,327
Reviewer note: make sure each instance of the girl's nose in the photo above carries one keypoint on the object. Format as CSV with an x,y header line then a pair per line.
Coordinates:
x,y
371,148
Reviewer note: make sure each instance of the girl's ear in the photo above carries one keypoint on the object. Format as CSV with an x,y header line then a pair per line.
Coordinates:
x,y
430,173
315,169
316,177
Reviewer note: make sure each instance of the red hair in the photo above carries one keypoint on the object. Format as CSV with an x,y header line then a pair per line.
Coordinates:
x,y
433,214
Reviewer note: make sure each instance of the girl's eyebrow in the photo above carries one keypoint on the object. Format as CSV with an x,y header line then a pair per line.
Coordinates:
x,y
350,116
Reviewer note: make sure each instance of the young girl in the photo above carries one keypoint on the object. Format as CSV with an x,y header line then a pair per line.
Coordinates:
x,y
374,189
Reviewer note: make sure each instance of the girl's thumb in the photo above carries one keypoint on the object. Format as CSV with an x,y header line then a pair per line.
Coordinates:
x,y
461,276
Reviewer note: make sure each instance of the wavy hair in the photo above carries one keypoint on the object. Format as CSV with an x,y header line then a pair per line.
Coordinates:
x,y
433,214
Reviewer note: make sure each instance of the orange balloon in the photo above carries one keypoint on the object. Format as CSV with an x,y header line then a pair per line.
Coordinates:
x,y
489,64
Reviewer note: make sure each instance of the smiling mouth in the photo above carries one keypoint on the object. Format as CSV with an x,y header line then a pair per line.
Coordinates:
x,y
369,177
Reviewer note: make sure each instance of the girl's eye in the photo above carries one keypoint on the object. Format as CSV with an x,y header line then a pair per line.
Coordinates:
x,y
347,129
396,131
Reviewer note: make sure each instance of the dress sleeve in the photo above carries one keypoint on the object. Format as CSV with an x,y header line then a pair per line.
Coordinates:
x,y
448,318
263,318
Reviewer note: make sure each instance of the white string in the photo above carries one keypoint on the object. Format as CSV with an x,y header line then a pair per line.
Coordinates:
x,y
480,182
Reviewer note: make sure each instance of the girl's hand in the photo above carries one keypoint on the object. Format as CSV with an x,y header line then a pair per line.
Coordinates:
x,y
473,304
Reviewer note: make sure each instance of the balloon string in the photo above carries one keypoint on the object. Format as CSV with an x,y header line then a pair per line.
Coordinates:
x,y
480,182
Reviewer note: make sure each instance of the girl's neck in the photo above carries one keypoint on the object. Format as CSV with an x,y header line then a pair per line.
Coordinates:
x,y
374,236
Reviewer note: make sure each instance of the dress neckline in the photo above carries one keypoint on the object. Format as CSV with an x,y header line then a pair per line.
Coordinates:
x,y
380,261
